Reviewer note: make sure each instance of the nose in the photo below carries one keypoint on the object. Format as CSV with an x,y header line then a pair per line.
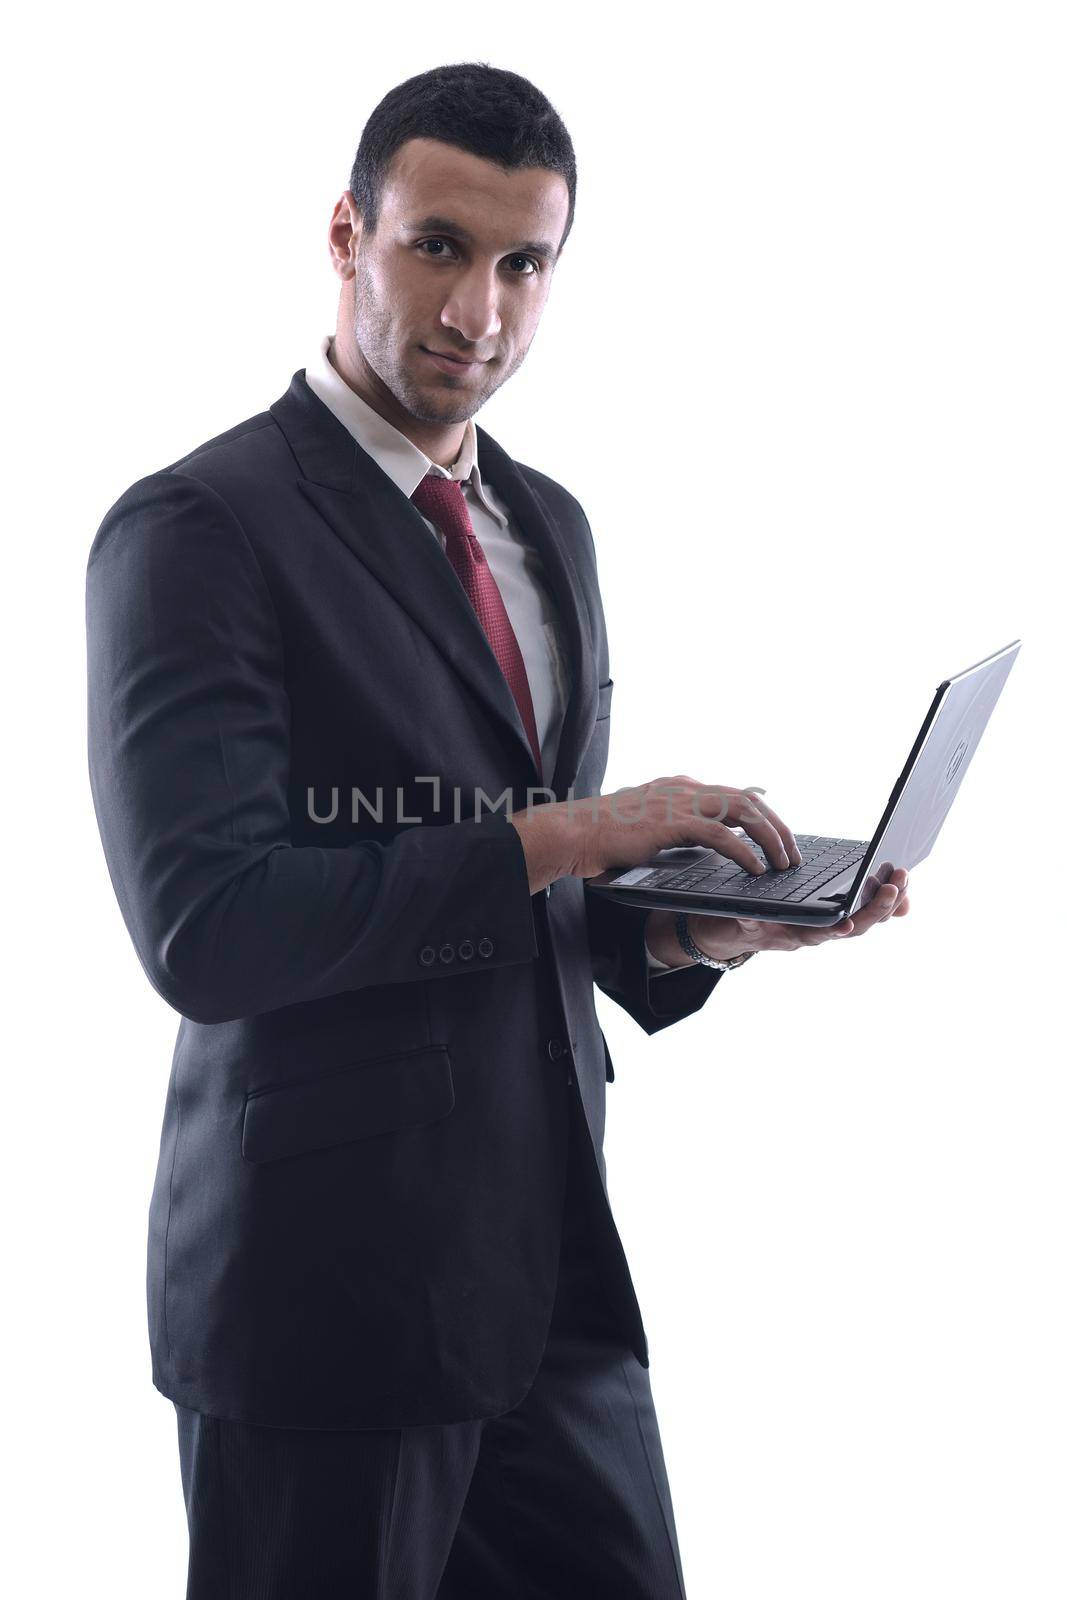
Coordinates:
x,y
471,308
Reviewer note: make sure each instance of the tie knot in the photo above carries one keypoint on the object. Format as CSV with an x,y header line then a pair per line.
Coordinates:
x,y
441,499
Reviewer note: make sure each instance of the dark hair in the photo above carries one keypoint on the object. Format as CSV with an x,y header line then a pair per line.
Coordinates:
x,y
485,110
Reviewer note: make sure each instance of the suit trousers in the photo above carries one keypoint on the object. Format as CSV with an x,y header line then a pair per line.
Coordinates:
x,y
564,1496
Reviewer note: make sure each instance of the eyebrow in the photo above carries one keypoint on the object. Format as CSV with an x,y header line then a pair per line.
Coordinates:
x,y
536,247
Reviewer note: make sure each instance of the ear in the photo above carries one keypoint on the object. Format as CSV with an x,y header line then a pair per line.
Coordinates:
x,y
344,235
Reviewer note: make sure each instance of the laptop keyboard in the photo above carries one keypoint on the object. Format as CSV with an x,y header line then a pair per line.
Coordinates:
x,y
823,860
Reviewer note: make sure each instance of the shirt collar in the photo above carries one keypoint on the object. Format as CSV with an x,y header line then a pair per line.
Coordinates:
x,y
393,451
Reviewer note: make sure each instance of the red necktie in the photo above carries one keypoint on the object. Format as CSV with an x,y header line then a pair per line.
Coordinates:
x,y
441,499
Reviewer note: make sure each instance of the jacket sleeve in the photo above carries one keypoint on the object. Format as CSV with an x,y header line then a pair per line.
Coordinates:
x,y
621,971
188,748
617,931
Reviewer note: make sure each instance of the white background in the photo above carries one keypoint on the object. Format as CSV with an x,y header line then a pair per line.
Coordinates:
x,y
803,364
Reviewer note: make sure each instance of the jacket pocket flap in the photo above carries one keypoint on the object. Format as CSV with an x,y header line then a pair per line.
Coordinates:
x,y
603,708
368,1097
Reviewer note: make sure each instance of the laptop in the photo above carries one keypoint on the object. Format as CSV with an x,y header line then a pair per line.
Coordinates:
x,y
836,876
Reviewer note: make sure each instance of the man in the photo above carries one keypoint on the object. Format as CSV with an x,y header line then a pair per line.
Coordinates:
x,y
386,1294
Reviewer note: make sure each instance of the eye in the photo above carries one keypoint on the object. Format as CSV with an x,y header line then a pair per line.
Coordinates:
x,y
533,263
421,242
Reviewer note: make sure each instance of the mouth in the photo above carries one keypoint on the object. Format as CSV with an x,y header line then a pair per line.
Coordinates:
x,y
449,363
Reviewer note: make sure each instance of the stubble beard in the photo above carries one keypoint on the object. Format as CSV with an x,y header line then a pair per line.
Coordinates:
x,y
374,336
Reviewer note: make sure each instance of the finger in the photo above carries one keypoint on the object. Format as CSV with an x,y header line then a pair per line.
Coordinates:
x,y
689,816
785,833
690,803
760,824
862,921
875,885
726,806
890,901
877,909
728,843
748,810
890,897
837,930
900,878
809,937
868,892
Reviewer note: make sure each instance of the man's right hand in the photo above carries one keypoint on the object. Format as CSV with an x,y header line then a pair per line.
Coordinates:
x,y
623,829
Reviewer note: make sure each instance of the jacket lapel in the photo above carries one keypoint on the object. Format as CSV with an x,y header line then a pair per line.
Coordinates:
x,y
537,523
386,533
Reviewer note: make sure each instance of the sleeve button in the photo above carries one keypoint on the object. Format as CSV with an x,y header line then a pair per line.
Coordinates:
x,y
485,947
427,955
446,953
466,950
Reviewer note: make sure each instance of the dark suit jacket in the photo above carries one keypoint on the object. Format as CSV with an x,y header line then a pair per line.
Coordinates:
x,y
357,1210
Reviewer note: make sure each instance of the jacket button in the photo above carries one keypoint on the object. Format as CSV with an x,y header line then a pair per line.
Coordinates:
x,y
556,1048
427,955
485,947
466,950
446,953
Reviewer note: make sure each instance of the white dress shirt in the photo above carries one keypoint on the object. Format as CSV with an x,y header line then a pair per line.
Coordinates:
x,y
515,564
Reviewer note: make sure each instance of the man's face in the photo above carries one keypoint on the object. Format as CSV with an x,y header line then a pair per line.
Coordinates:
x,y
459,264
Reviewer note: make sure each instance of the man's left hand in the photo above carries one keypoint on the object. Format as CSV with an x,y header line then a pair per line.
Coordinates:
x,y
726,937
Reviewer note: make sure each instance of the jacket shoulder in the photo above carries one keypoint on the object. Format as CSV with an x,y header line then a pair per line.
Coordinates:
x,y
224,468
235,445
556,495
245,457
